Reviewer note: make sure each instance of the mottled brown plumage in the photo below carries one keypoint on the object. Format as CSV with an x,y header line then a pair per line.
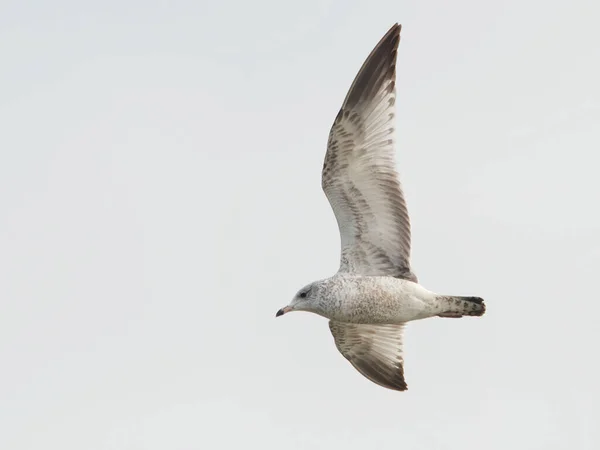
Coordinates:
x,y
359,173
373,350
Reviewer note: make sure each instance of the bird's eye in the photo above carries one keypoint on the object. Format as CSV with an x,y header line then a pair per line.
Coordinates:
x,y
302,294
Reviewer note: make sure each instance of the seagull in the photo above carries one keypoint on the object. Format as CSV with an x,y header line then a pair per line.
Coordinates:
x,y
375,292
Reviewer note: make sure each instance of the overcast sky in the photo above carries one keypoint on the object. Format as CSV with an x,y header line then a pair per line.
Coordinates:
x,y
160,199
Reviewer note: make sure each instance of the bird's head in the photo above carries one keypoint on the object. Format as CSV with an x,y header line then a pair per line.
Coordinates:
x,y
305,300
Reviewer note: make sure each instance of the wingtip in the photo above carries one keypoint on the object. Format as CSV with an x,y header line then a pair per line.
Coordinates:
x,y
396,28
393,31
392,34
378,67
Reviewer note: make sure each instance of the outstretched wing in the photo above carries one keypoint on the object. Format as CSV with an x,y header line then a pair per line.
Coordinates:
x,y
374,350
359,175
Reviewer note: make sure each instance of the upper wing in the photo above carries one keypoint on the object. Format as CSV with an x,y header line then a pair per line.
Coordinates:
x,y
359,175
374,350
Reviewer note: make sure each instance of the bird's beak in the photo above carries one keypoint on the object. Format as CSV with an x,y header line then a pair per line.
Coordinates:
x,y
282,311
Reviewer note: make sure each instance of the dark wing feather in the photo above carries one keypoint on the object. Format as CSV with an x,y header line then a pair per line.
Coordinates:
x,y
359,173
374,350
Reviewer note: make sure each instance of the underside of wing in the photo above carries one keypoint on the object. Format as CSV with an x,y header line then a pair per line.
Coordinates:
x,y
359,173
374,350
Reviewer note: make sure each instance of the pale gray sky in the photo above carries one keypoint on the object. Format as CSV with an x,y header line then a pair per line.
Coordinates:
x,y
160,199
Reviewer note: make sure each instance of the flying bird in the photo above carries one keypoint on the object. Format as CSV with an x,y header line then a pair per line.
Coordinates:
x,y
375,292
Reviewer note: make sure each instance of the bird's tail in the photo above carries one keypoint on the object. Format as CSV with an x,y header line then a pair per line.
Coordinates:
x,y
461,306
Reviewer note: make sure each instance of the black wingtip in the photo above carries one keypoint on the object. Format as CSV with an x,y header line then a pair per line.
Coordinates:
x,y
395,29
378,68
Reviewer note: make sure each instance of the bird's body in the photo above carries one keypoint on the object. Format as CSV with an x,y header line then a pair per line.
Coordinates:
x,y
374,300
375,291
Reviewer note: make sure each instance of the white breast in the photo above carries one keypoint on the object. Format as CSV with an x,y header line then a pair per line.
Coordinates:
x,y
360,299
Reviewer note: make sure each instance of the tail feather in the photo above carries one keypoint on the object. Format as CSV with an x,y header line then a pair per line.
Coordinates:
x,y
453,306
